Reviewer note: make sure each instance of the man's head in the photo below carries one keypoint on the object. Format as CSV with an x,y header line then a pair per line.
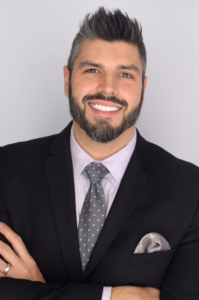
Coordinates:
x,y
109,26
105,78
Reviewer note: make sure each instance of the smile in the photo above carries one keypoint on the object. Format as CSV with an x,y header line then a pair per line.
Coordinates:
x,y
103,108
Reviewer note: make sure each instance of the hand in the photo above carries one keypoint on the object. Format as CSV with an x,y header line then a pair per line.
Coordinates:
x,y
22,265
134,293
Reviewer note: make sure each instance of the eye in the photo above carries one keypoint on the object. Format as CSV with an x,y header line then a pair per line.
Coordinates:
x,y
126,75
92,71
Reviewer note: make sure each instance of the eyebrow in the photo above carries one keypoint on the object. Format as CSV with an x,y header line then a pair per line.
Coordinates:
x,y
101,66
90,64
131,67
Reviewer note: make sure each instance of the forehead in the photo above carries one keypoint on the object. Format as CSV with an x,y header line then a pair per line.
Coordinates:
x,y
109,53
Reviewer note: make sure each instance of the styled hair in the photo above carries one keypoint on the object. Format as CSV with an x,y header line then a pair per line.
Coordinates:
x,y
109,26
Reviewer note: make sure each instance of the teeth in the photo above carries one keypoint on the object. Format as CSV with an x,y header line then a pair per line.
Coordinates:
x,y
104,108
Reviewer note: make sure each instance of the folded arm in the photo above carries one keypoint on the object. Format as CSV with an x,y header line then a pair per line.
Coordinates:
x,y
23,266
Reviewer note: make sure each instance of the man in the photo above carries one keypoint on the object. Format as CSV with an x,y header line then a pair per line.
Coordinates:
x,y
103,214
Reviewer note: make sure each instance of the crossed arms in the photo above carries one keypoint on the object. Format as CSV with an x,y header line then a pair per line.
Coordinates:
x,y
24,267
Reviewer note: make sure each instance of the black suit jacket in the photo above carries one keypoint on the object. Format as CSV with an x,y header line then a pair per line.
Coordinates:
x,y
158,193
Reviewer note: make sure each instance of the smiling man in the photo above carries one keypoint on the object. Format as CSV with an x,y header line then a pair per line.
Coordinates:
x,y
105,91
97,212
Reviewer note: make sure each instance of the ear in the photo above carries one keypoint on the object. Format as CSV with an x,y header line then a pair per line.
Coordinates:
x,y
145,83
66,80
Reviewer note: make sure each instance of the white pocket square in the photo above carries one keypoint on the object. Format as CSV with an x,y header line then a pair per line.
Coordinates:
x,y
152,242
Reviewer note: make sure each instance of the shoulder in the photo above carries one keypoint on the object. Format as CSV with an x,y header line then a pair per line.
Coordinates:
x,y
26,150
30,143
164,165
40,146
175,169
162,156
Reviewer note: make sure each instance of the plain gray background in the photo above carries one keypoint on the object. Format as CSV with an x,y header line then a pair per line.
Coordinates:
x,y
35,40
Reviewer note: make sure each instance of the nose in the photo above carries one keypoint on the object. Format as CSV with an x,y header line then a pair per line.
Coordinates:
x,y
107,85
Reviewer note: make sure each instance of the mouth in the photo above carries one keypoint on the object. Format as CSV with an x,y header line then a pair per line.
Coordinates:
x,y
104,108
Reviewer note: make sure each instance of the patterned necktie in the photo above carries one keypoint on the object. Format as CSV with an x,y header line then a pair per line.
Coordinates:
x,y
93,211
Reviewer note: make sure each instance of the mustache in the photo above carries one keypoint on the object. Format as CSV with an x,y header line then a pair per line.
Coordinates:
x,y
102,97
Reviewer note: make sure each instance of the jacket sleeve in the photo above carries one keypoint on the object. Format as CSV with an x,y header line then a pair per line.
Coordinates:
x,y
18,289
181,280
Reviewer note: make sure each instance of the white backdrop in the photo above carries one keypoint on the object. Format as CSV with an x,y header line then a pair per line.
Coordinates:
x,y
35,40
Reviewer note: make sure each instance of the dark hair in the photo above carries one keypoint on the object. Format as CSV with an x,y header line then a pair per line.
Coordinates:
x,y
109,26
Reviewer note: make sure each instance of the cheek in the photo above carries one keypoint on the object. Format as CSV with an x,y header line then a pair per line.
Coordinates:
x,y
131,94
82,87
77,90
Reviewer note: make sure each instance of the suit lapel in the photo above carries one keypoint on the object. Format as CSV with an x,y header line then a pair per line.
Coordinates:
x,y
132,185
61,185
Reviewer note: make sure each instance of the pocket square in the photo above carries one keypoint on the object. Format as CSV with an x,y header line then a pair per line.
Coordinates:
x,y
152,242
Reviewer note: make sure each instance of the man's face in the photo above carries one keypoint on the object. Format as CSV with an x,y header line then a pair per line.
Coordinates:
x,y
106,88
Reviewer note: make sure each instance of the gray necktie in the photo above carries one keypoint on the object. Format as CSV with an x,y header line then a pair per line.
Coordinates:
x,y
92,216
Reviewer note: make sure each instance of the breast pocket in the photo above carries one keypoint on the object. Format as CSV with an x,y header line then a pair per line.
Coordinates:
x,y
148,258
148,269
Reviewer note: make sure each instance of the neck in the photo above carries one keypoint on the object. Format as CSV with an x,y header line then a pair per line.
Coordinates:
x,y
101,151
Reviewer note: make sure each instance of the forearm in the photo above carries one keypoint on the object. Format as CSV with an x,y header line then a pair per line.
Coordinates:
x,y
134,293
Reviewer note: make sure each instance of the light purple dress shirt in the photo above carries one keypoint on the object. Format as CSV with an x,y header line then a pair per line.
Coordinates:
x,y
116,164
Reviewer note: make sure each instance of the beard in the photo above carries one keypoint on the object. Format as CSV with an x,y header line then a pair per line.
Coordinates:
x,y
102,131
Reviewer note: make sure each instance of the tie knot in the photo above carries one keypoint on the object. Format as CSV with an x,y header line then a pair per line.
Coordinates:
x,y
96,171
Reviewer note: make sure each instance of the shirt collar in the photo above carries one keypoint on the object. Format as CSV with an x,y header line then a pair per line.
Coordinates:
x,y
116,163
